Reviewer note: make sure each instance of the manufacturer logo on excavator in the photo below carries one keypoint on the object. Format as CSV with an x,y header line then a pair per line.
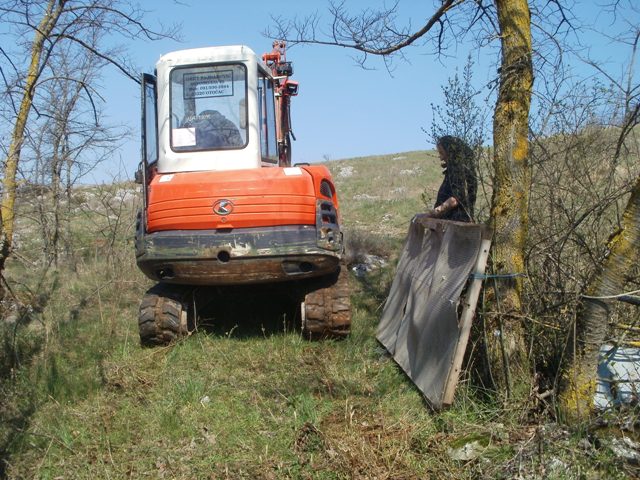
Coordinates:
x,y
223,207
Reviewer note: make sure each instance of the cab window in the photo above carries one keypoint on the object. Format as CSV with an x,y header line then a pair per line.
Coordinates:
x,y
208,107
267,115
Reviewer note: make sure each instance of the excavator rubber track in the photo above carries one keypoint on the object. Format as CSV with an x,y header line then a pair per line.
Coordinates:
x,y
326,311
164,314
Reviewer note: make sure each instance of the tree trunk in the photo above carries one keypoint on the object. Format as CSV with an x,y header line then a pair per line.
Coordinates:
x,y
56,178
7,207
509,218
61,156
68,247
576,400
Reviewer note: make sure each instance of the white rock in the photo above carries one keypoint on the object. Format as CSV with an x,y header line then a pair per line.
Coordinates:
x,y
468,451
346,171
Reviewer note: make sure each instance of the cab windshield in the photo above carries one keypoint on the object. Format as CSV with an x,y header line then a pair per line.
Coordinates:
x,y
208,107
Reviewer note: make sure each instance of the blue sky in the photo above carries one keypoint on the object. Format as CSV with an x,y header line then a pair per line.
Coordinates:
x,y
342,110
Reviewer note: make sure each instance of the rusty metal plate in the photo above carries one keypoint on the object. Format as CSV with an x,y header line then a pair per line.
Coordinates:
x,y
420,321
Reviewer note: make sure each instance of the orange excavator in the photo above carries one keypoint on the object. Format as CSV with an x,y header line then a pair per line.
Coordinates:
x,y
222,204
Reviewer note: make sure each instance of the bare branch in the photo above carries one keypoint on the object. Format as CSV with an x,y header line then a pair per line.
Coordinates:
x,y
371,32
633,119
99,54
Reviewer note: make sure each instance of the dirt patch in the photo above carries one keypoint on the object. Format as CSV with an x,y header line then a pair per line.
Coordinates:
x,y
367,447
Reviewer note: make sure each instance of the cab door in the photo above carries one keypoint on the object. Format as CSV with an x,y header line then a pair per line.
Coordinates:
x,y
267,118
149,132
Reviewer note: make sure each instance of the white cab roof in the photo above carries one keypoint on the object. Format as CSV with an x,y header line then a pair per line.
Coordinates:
x,y
236,53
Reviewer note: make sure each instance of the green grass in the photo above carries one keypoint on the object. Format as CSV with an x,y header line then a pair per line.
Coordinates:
x,y
87,402
218,404
270,405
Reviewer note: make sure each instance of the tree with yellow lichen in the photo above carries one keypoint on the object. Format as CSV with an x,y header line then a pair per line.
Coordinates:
x,y
51,25
511,183
592,328
577,398
49,20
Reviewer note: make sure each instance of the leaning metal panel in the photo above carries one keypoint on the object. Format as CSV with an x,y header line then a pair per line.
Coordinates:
x,y
420,322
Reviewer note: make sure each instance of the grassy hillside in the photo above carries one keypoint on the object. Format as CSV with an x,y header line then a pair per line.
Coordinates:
x,y
380,194
81,399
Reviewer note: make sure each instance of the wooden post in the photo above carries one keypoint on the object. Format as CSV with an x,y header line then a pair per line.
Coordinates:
x,y
466,318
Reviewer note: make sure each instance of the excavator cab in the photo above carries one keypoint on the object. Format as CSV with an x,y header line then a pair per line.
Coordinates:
x,y
216,109
222,205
